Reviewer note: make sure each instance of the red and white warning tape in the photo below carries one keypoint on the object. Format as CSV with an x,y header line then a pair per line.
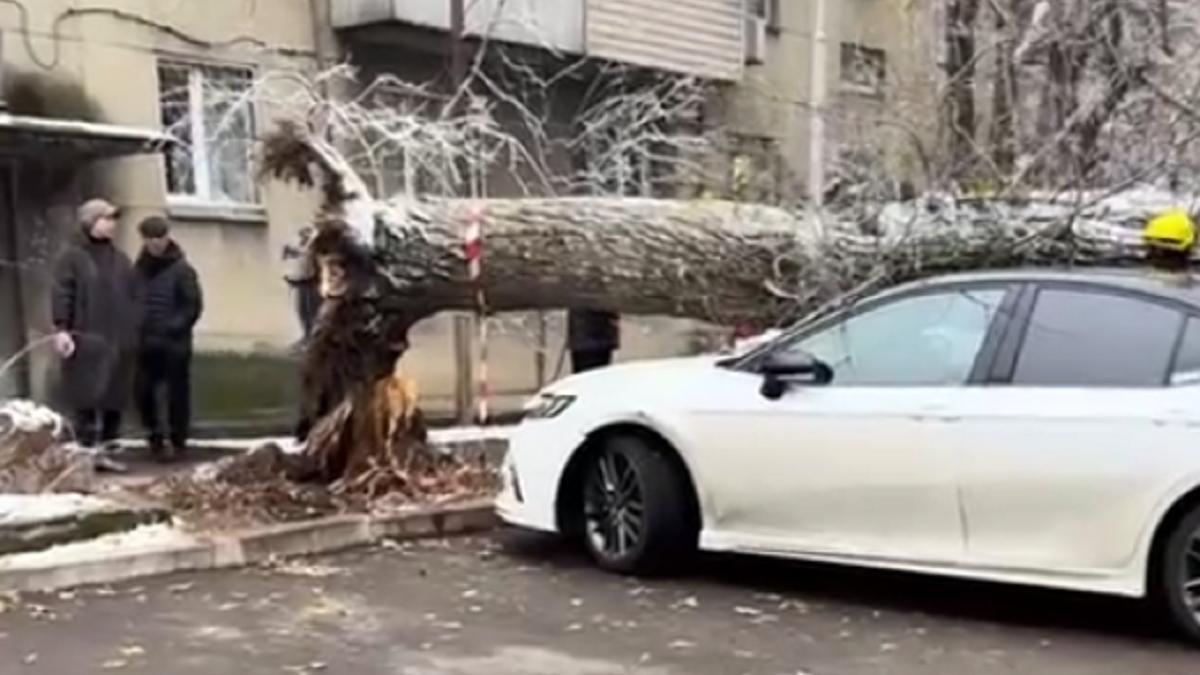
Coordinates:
x,y
473,248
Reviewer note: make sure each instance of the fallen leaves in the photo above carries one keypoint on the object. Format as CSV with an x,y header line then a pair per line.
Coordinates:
x,y
689,602
313,667
41,613
681,644
253,489
299,568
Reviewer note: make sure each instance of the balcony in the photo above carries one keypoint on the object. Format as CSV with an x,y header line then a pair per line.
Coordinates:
x,y
704,38
555,25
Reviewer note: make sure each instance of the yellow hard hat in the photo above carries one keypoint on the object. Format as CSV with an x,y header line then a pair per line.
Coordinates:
x,y
1173,231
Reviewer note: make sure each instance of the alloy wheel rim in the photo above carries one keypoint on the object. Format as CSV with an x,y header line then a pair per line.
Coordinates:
x,y
1191,575
614,510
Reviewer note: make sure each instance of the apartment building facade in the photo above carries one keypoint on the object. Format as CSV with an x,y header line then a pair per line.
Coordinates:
x,y
148,69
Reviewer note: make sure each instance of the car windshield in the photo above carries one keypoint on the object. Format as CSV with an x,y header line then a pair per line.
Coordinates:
x,y
931,317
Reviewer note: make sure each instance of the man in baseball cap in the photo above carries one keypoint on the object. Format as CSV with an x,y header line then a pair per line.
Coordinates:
x,y
95,312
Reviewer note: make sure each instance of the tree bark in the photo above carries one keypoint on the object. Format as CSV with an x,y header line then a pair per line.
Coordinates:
x,y
708,260
960,68
1005,87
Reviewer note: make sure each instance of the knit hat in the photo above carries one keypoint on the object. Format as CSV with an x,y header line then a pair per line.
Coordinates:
x,y
93,210
154,227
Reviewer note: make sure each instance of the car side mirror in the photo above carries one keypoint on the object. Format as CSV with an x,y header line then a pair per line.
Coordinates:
x,y
784,368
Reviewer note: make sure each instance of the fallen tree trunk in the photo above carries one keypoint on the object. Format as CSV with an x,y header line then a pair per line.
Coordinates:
x,y
386,265
702,260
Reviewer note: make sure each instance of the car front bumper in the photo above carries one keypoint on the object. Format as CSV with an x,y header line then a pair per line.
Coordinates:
x,y
537,456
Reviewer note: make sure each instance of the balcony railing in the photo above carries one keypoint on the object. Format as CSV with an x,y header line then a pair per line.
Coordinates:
x,y
555,25
705,38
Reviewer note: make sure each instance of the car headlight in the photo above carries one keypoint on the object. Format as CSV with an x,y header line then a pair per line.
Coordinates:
x,y
546,406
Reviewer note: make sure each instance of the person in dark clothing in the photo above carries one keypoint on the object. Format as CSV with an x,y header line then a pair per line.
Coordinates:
x,y
171,306
592,336
94,309
302,278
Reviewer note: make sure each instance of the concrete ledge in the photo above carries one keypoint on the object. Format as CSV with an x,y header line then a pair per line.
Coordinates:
x,y
37,535
304,538
246,547
110,568
436,521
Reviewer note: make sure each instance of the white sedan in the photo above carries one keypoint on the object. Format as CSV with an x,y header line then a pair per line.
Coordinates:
x,y
1028,427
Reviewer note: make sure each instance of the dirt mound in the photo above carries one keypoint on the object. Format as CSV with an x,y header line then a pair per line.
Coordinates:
x,y
255,489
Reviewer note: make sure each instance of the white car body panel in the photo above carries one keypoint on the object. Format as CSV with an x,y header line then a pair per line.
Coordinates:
x,y
1060,488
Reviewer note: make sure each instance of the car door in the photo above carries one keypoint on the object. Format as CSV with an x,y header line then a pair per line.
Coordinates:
x,y
1063,459
846,469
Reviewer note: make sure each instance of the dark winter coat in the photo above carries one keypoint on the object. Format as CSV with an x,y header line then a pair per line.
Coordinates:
x,y
94,298
593,330
171,299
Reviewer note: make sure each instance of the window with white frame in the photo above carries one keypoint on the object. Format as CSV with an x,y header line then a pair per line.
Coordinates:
x,y
768,11
209,110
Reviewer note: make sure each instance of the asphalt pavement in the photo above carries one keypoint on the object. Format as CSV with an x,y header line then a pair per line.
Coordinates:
x,y
514,604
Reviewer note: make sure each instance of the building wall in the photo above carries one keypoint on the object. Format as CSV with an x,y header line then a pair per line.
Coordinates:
x,y
112,55
115,59
774,101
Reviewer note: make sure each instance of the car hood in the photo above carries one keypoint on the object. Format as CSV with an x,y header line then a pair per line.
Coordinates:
x,y
635,378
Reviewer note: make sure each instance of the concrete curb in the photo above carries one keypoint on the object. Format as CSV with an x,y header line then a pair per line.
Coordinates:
x,y
250,547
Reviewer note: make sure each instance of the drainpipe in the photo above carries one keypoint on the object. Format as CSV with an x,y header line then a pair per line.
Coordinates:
x,y
463,323
321,27
3,100
818,87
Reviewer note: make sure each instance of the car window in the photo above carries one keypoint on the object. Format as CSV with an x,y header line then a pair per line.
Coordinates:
x,y
925,340
1187,361
1093,339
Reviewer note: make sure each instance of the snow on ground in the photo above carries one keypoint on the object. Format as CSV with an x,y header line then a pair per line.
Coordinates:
x,y
20,509
28,417
454,435
141,539
470,434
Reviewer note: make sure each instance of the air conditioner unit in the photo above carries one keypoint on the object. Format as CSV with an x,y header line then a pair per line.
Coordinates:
x,y
756,40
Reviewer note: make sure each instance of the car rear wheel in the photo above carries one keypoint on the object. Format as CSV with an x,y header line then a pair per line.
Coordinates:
x,y
1178,586
636,517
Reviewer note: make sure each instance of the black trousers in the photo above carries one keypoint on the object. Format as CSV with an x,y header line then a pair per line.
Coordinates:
x,y
590,359
169,368
96,426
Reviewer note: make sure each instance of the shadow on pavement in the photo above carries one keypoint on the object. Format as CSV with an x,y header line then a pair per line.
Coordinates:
x,y
871,590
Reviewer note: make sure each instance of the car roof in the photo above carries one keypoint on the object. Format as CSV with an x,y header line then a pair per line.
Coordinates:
x,y
1137,279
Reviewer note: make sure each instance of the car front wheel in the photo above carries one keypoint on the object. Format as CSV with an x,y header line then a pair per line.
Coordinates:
x,y
1178,585
636,517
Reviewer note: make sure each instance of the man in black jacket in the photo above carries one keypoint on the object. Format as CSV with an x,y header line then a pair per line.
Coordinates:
x,y
94,308
592,336
171,306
